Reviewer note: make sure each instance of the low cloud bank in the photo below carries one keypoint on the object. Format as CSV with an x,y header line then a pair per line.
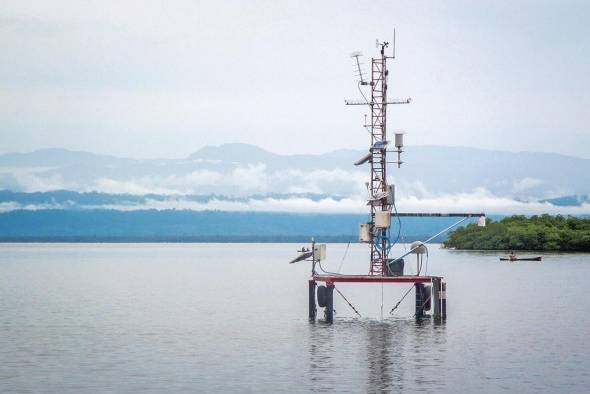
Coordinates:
x,y
238,181
477,201
243,180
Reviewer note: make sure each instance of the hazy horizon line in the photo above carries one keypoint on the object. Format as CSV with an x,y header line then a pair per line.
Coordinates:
x,y
98,153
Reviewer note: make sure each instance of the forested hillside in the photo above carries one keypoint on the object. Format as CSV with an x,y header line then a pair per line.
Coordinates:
x,y
545,232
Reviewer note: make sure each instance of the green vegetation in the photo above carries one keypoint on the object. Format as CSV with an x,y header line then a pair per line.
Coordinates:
x,y
545,232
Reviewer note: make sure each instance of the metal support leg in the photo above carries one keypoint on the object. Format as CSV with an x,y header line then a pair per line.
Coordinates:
x,y
312,305
419,300
329,310
443,300
436,288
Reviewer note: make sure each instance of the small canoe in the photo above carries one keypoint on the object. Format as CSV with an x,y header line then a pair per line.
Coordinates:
x,y
538,258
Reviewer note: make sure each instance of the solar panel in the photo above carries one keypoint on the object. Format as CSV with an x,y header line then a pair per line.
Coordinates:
x,y
380,144
301,257
363,159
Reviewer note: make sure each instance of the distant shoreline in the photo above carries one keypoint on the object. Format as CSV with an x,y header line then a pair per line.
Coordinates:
x,y
211,239
195,226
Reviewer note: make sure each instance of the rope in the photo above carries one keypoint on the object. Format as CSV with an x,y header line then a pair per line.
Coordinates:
x,y
400,301
348,302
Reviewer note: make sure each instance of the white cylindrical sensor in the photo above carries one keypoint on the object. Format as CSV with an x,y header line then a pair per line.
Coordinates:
x,y
399,140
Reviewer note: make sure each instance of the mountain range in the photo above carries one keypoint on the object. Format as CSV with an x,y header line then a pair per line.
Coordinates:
x,y
239,192
241,170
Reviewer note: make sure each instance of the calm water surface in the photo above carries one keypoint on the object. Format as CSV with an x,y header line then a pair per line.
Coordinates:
x,y
233,318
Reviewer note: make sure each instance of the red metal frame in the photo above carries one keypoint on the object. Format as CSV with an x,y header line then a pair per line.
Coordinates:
x,y
331,279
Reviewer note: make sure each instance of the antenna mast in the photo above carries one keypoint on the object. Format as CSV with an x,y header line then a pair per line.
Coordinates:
x,y
381,194
430,291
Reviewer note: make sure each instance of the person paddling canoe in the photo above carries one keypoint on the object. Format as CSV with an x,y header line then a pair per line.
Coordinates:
x,y
512,256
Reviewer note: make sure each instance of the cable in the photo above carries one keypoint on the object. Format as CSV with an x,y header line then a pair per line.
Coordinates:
x,y
433,237
400,301
345,299
381,300
426,269
419,263
399,230
346,251
380,238
327,272
343,257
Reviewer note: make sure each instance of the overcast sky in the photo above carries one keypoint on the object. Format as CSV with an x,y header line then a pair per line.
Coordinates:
x,y
162,79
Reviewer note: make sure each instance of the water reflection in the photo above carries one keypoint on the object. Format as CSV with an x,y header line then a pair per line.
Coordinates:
x,y
390,355
321,352
384,356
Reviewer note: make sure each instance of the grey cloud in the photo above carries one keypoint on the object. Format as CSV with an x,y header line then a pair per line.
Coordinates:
x,y
242,170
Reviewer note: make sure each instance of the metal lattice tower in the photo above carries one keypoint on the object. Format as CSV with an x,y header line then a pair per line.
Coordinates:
x,y
377,157
430,291
378,182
